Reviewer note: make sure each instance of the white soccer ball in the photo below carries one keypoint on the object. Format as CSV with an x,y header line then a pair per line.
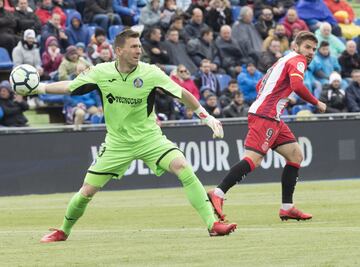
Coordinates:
x,y
24,79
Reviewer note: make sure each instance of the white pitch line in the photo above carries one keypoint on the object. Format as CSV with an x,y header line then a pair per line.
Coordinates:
x,y
239,229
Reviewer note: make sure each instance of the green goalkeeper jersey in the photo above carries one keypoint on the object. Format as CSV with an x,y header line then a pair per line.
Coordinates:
x,y
128,98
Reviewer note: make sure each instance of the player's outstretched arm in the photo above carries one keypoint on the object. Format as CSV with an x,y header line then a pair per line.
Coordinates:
x,y
61,88
191,102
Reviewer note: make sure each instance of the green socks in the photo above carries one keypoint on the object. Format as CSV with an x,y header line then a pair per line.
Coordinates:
x,y
197,196
75,210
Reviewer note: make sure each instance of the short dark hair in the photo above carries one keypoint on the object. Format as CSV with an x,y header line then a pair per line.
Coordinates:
x,y
123,36
304,36
324,44
206,30
232,81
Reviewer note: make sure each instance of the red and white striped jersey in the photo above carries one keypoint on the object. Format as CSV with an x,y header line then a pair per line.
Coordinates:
x,y
274,88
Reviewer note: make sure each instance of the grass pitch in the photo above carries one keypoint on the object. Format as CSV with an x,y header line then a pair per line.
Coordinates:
x,y
159,228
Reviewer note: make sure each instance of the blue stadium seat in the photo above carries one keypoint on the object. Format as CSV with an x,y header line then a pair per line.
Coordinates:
x,y
235,12
92,30
52,99
1,113
5,61
69,12
357,21
114,30
224,80
317,93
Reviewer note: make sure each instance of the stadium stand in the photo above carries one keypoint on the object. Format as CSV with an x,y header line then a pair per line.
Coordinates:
x,y
5,60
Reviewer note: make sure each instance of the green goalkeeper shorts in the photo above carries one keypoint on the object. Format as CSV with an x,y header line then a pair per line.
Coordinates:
x,y
113,162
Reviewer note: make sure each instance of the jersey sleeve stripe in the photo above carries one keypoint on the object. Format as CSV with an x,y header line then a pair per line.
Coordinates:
x,y
298,75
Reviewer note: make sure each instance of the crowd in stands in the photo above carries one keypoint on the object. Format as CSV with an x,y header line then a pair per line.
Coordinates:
x,y
216,49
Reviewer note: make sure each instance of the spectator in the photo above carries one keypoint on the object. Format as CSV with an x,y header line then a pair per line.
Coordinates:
x,y
204,47
104,56
349,59
13,107
51,58
247,81
178,24
177,51
27,52
80,48
237,107
157,50
77,31
278,8
53,28
333,95
168,11
228,93
314,12
277,34
196,25
46,11
270,56
353,92
96,43
26,18
68,67
127,10
265,22
183,78
199,4
65,4
232,56
205,79
101,13
341,5
292,20
150,15
219,14
324,34
8,38
183,5
245,33
211,106
188,114
80,108
324,63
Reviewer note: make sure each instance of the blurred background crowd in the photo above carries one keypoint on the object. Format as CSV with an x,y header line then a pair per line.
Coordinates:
x,y
216,49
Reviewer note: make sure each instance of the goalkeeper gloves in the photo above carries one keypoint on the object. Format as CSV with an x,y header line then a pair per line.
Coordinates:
x,y
210,121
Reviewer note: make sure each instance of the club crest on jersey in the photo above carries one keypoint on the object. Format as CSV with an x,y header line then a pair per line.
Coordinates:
x,y
138,83
300,67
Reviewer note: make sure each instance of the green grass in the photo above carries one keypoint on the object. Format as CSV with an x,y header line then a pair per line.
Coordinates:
x,y
159,228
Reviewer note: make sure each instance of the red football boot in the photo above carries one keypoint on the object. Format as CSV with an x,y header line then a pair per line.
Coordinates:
x,y
220,229
217,203
294,214
57,235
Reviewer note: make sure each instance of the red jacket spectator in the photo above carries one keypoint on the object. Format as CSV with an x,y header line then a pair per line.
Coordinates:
x,y
292,18
340,5
182,77
45,11
51,58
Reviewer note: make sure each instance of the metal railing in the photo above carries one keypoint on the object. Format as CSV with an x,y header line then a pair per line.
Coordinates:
x,y
179,123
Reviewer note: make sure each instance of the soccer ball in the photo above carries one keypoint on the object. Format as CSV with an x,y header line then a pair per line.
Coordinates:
x,y
24,79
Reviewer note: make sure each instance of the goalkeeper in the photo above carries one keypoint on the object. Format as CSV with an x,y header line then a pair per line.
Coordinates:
x,y
128,87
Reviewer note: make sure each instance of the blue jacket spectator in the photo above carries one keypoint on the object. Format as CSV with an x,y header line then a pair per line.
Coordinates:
x,y
353,93
324,63
247,81
129,13
77,32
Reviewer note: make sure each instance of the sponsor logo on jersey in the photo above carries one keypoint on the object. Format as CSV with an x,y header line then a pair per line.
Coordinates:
x,y
123,100
269,133
300,67
138,83
112,80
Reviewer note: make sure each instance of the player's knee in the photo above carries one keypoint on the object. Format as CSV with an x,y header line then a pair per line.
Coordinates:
x,y
177,165
88,190
297,156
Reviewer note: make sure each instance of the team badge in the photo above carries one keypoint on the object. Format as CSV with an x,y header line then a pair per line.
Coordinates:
x,y
138,83
300,67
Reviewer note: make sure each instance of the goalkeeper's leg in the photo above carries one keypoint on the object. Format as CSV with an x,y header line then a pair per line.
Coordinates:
x,y
176,163
77,206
